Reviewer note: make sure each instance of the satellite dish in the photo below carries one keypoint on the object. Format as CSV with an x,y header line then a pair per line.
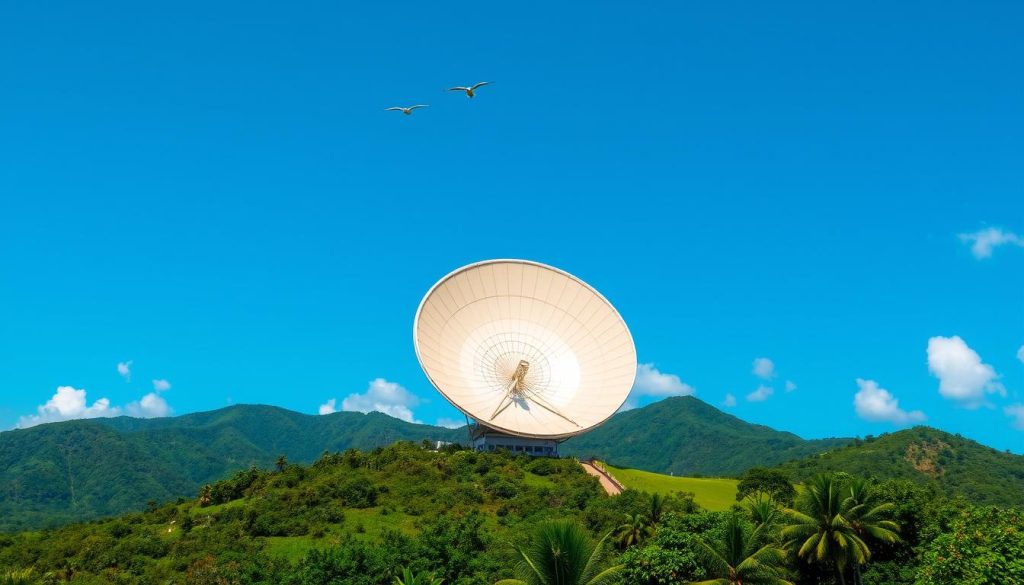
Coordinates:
x,y
524,349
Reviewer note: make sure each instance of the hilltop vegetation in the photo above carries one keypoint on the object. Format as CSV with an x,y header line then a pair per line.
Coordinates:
x,y
364,518
926,456
82,469
687,437
78,470
458,508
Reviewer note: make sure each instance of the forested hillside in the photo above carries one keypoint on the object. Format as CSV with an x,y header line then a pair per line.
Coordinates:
x,y
686,436
75,470
955,465
405,511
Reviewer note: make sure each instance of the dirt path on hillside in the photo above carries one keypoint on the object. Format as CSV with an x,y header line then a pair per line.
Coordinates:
x,y
606,482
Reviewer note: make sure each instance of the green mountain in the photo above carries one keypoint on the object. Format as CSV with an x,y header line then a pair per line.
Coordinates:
x,y
685,436
955,465
353,518
74,470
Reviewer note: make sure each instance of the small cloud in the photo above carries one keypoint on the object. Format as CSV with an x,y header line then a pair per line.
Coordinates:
x,y
962,375
984,241
652,382
124,369
1016,412
161,385
729,401
382,396
761,394
790,386
328,407
1020,354
764,368
450,423
151,405
68,403
875,403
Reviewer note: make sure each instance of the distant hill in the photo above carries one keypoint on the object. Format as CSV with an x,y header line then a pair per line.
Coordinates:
x,y
686,436
74,470
927,456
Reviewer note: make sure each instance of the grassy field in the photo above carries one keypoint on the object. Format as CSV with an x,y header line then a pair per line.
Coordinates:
x,y
712,494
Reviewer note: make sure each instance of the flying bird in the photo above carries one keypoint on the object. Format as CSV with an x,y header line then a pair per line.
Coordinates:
x,y
406,111
469,90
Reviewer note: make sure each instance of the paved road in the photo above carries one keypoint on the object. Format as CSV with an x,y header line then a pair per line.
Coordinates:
x,y
606,482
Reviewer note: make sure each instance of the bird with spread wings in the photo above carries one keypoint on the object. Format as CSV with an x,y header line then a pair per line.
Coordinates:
x,y
469,90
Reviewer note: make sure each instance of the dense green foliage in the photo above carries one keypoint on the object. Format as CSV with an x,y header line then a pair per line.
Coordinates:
x,y
406,512
833,522
559,552
955,465
76,470
82,469
353,517
771,482
685,436
982,545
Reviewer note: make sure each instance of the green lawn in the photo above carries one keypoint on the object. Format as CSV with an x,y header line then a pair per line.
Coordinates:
x,y
712,494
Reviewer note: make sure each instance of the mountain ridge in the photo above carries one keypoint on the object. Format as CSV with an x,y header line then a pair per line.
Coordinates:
x,y
78,470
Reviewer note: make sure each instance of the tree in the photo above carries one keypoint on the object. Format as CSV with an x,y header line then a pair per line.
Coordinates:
x,y
633,531
764,511
560,552
823,529
868,517
657,508
984,545
206,495
282,462
739,558
769,481
408,577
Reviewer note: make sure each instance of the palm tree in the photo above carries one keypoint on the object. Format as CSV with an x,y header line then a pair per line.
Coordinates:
x,y
424,578
657,508
282,462
560,553
763,510
635,529
866,516
831,523
740,558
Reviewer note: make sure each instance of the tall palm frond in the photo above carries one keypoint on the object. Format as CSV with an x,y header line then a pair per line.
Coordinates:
x,y
560,553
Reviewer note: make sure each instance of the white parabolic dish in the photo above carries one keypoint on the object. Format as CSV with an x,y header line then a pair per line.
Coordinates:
x,y
525,348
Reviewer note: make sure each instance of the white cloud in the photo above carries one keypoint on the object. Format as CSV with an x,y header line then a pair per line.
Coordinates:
x,y
729,401
1016,411
161,385
124,369
761,394
329,407
984,241
652,382
790,386
875,403
450,423
68,403
962,376
764,368
383,396
1020,354
151,405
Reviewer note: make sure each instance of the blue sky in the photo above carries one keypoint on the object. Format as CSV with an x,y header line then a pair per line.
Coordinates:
x,y
215,193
